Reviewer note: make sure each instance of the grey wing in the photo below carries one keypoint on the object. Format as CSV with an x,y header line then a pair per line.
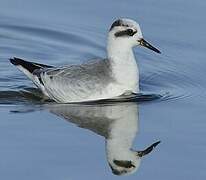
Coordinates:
x,y
77,82
94,118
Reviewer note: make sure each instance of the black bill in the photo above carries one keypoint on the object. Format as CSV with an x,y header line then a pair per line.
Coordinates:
x,y
147,150
149,46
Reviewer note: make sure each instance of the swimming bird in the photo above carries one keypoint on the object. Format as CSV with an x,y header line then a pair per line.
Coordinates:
x,y
107,78
117,123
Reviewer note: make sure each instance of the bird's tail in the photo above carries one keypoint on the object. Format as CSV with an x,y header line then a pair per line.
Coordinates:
x,y
28,66
29,69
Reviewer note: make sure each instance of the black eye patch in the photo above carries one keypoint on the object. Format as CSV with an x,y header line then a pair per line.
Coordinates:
x,y
126,164
128,32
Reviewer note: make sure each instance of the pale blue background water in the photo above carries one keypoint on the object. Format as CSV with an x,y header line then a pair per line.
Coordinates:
x,y
39,145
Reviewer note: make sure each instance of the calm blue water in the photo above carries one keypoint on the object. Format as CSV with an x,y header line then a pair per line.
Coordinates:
x,y
36,142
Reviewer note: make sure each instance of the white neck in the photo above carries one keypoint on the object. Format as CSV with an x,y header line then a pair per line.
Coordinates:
x,y
122,132
123,64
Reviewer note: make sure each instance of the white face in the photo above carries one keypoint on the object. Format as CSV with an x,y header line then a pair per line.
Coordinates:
x,y
125,166
127,162
128,33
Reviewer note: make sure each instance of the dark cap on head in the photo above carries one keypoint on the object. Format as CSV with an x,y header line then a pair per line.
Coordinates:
x,y
116,23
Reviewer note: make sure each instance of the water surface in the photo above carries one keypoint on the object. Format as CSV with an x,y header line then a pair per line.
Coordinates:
x,y
37,144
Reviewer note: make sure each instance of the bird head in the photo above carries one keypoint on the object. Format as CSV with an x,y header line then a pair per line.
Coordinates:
x,y
126,163
127,32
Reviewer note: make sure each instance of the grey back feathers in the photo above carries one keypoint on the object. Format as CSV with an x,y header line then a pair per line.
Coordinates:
x,y
86,79
68,83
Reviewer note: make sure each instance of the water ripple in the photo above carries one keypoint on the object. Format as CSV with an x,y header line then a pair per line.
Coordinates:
x,y
175,81
27,95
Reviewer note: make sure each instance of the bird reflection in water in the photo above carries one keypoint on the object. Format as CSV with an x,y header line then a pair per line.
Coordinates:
x,y
118,123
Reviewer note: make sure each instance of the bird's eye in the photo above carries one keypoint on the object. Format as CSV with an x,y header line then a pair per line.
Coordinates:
x,y
130,32
124,163
127,32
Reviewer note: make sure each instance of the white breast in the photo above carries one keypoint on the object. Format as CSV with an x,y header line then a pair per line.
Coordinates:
x,y
125,71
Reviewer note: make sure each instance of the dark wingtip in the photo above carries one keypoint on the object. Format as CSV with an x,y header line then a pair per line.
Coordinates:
x,y
14,61
17,61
